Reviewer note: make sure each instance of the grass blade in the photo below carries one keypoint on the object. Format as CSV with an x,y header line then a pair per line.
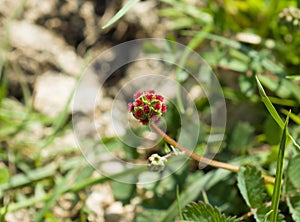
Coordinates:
x,y
293,116
268,104
80,185
3,86
58,190
178,203
273,111
120,13
279,170
24,179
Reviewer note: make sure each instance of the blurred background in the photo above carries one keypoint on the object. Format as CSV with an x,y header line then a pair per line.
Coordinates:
x,y
44,48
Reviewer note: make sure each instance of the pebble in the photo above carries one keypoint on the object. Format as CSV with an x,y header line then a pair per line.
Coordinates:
x,y
51,92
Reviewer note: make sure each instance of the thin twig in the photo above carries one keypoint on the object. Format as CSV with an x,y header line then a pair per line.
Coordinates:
x,y
202,159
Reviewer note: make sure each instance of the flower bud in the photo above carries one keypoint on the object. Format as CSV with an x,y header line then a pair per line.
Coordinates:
x,y
156,163
290,16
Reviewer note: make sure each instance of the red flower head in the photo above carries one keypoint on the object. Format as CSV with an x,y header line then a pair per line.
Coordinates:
x,y
147,106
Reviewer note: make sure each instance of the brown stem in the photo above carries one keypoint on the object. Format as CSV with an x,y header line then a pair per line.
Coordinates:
x,y
202,159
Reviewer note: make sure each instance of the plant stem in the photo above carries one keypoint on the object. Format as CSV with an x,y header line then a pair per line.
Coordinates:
x,y
202,159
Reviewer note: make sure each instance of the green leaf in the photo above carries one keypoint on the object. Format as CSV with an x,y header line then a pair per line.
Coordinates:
x,y
283,88
150,214
272,131
58,190
241,137
205,212
4,175
75,188
190,11
3,85
246,84
293,116
292,186
278,87
251,186
233,64
294,88
294,207
268,104
34,175
202,182
273,111
178,203
181,23
293,171
120,13
123,191
278,177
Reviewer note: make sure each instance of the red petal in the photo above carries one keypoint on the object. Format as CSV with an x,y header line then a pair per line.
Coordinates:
x,y
130,107
164,108
138,94
160,98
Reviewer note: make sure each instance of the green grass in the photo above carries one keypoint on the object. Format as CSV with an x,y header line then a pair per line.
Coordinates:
x,y
261,87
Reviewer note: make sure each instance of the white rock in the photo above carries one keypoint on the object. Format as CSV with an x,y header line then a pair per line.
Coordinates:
x,y
25,35
51,92
144,13
100,198
114,212
36,9
20,215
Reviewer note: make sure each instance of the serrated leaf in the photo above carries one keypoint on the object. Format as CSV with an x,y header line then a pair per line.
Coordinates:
x,y
198,183
205,213
251,185
294,207
292,186
293,171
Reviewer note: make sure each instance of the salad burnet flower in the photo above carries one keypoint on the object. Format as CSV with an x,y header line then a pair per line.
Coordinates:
x,y
147,106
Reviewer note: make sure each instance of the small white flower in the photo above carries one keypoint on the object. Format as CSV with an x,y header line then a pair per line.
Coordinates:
x,y
156,163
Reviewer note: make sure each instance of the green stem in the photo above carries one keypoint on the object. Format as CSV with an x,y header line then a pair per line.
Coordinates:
x,y
202,159
279,173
